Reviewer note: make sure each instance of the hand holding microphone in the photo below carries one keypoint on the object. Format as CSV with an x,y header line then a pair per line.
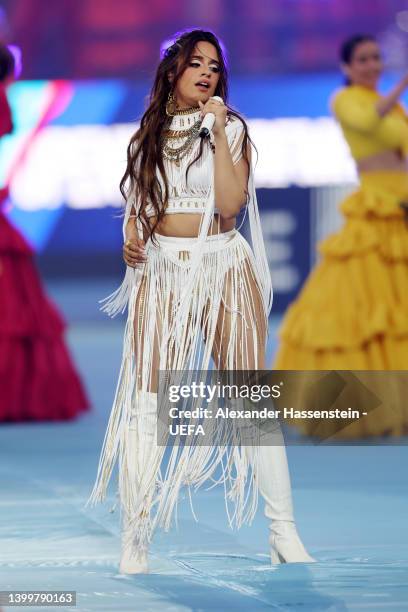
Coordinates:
x,y
209,120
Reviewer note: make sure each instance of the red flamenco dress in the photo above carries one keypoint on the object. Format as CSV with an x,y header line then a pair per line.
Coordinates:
x,y
37,378
38,381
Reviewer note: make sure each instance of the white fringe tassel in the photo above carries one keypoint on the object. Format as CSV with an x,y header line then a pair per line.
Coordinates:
x,y
150,498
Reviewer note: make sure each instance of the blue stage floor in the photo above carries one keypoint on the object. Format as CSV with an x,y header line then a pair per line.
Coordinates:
x,y
350,503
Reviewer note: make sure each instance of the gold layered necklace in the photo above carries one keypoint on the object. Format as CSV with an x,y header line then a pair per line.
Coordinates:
x,y
185,126
183,111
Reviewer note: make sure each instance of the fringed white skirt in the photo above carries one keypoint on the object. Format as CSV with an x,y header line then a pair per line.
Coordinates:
x,y
225,324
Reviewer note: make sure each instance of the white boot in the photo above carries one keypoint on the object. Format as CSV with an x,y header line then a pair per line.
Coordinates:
x,y
134,557
141,442
275,488
286,545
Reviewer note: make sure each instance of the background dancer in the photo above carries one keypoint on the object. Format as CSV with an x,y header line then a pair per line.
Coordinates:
x,y
37,378
352,310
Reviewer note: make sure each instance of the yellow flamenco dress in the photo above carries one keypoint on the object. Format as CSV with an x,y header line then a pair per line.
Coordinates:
x,y
352,312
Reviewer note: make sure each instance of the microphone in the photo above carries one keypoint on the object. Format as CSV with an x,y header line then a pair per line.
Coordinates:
x,y
208,121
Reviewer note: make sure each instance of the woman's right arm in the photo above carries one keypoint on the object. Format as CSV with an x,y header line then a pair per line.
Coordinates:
x,y
133,248
387,102
357,111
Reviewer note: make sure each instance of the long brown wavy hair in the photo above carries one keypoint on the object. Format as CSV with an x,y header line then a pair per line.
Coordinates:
x,y
144,152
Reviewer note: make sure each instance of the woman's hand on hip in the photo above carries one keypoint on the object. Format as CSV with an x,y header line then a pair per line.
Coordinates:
x,y
134,252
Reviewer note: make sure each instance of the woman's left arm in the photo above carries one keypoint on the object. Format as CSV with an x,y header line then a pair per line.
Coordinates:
x,y
230,180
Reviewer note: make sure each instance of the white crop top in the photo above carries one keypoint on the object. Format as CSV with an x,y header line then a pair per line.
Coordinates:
x,y
191,197
198,196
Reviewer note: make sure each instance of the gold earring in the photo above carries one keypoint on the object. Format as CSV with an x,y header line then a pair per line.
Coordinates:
x,y
170,105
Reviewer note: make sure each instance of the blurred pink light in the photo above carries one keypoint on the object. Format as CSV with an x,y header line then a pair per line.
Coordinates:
x,y
18,61
402,20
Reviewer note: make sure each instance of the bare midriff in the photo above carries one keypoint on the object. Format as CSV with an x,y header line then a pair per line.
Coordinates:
x,y
187,225
392,161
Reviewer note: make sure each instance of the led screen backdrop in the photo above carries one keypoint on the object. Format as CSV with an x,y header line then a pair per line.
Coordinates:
x,y
70,137
67,154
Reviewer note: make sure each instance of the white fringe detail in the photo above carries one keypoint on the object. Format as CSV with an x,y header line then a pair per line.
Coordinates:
x,y
118,301
182,296
194,464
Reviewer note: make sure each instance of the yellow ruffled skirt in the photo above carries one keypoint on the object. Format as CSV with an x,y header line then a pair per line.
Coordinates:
x,y
352,312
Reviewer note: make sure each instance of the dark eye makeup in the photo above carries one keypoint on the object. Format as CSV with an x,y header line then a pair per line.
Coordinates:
x,y
197,64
